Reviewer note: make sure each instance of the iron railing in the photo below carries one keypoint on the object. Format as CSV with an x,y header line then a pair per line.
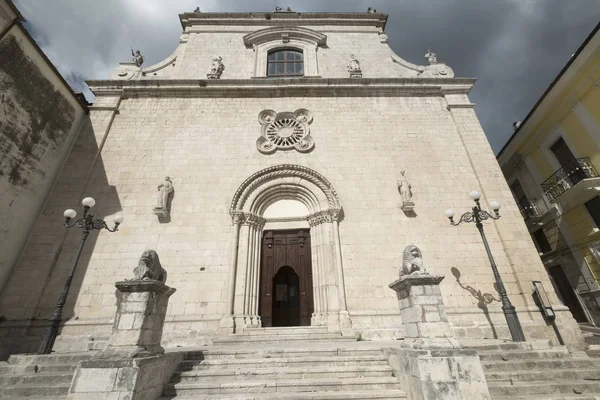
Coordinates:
x,y
568,176
528,208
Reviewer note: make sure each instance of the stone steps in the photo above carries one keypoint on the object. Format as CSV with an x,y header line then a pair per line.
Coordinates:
x,y
283,330
246,353
6,368
546,387
523,355
43,377
270,338
27,391
35,379
535,371
548,364
313,364
217,375
589,374
548,397
289,362
281,386
341,395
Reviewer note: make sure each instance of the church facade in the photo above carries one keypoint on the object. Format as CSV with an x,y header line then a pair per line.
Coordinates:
x,y
279,164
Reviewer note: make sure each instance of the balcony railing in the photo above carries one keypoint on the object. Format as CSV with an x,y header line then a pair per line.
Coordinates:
x,y
568,176
528,208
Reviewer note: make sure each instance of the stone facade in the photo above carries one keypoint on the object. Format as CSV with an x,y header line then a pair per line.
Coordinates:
x,y
168,119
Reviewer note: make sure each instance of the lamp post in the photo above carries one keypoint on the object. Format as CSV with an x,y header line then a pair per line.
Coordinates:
x,y
478,215
87,223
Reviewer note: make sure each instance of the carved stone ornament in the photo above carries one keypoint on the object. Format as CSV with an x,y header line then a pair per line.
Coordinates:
x,y
149,268
285,131
354,67
162,199
404,187
412,261
216,68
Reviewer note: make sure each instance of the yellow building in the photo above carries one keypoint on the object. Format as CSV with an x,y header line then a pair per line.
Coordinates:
x,y
551,164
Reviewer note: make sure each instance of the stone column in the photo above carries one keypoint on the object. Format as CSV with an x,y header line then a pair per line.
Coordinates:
x,y
227,325
422,306
345,322
140,318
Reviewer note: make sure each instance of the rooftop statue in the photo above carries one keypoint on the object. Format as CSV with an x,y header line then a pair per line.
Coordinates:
x,y
137,59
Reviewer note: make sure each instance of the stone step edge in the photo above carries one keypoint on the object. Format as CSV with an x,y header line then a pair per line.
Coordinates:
x,y
287,360
283,383
267,371
533,372
486,363
543,383
372,394
524,353
284,351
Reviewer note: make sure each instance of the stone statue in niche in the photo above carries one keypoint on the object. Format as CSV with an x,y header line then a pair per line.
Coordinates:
x,y
431,57
404,187
149,268
354,67
412,261
162,203
216,68
137,58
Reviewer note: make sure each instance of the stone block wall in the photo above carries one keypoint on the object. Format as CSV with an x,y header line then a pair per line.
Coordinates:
x,y
39,122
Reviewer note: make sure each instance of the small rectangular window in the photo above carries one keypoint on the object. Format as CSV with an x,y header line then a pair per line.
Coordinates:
x,y
593,207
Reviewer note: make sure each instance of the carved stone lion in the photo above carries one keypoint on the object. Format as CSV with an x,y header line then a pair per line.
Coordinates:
x,y
412,261
149,268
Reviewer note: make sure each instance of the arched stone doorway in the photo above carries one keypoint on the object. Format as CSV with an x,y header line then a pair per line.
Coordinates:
x,y
254,196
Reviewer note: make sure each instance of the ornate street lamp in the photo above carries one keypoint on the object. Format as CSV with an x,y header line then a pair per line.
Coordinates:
x,y
478,215
87,223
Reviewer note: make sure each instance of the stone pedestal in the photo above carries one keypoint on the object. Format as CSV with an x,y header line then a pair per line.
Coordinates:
x,y
422,306
126,378
407,206
438,369
162,213
355,74
139,321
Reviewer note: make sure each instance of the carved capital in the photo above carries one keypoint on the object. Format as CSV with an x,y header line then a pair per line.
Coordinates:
x,y
320,217
237,217
254,220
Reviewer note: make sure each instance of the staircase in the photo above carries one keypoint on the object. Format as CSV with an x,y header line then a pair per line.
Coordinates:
x,y
39,377
285,363
293,334
516,371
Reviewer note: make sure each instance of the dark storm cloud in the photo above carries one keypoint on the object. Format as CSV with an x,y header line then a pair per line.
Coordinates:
x,y
514,47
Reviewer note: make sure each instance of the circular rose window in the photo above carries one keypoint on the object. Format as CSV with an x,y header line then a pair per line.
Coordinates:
x,y
285,131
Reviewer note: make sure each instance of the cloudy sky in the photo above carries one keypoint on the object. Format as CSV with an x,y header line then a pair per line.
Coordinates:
x,y
514,47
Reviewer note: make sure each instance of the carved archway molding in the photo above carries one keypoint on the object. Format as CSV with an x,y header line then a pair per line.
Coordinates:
x,y
254,195
281,172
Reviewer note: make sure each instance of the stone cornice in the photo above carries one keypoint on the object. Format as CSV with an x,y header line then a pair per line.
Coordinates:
x,y
283,87
190,19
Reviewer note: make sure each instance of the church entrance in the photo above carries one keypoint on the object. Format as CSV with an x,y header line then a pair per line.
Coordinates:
x,y
286,297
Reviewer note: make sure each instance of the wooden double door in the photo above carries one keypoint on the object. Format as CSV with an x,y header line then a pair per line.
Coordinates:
x,y
286,296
